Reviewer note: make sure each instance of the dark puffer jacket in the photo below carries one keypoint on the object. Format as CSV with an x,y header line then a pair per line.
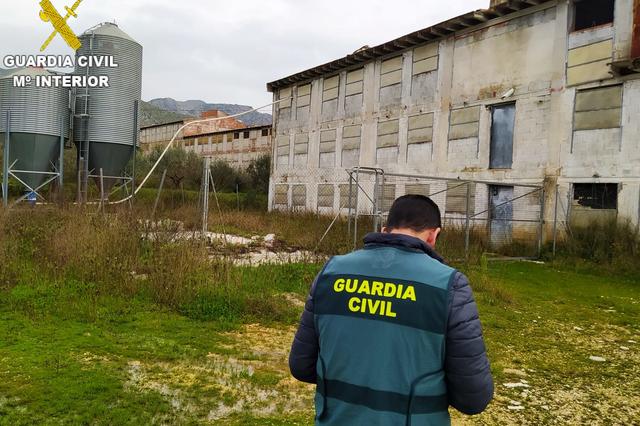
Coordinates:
x,y
468,375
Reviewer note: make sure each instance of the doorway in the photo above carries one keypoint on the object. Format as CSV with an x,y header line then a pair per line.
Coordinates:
x,y
500,215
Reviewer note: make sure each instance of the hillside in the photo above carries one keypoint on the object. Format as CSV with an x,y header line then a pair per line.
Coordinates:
x,y
151,115
196,107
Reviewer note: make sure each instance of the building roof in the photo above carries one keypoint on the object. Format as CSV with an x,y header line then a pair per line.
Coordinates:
x,y
221,132
169,123
433,33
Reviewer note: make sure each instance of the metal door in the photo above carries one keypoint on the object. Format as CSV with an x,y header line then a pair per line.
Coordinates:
x,y
501,149
501,215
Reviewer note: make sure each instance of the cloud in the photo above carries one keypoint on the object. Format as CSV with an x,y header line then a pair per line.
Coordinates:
x,y
227,51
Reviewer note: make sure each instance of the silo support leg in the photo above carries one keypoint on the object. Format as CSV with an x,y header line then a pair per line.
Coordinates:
x,y
61,165
5,162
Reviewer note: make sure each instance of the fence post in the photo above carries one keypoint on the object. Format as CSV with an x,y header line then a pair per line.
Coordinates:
x,y
205,195
376,197
555,221
355,215
5,165
61,164
101,191
541,230
155,204
467,226
349,203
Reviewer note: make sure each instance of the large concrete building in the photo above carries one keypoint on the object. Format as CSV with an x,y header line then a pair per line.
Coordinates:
x,y
228,139
531,91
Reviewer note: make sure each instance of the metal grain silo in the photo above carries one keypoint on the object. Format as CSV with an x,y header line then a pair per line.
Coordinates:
x,y
39,118
105,118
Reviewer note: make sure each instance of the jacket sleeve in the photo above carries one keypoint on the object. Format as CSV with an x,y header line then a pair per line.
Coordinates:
x,y
467,370
305,347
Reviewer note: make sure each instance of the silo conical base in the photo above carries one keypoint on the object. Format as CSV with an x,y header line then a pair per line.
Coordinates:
x,y
112,159
37,153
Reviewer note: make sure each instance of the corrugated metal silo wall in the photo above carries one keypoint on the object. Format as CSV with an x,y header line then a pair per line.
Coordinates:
x,y
112,112
37,114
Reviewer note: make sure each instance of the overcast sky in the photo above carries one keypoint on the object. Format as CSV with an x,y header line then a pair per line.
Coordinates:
x,y
227,51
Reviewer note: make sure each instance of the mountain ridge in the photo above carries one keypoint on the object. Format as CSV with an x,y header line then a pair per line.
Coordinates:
x,y
194,108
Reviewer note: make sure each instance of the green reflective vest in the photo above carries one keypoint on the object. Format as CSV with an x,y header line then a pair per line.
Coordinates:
x,y
381,316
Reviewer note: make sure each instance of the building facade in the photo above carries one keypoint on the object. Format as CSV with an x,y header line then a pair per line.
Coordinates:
x,y
236,146
525,92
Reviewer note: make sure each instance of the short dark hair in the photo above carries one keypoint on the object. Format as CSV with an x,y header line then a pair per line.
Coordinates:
x,y
415,212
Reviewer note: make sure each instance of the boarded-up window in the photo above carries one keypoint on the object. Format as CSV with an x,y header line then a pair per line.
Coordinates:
x,y
330,90
420,129
285,96
281,195
284,107
301,145
457,197
355,82
282,146
388,132
325,195
304,96
391,72
417,189
425,58
327,141
299,195
328,148
599,108
589,63
464,123
348,193
303,102
351,136
387,197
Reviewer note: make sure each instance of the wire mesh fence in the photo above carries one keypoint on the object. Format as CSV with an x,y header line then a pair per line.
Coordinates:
x,y
498,218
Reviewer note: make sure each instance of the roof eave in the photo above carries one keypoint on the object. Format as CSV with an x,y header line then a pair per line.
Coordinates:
x,y
433,33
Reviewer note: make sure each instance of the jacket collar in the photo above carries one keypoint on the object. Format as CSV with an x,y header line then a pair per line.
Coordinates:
x,y
401,241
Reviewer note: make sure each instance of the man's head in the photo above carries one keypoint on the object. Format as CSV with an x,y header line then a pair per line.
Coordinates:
x,y
417,216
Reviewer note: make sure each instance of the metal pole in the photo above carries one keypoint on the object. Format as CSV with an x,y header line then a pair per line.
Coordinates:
x,y
136,135
355,216
238,195
555,221
467,226
155,204
349,203
61,164
376,195
101,191
215,196
5,168
205,195
79,166
541,231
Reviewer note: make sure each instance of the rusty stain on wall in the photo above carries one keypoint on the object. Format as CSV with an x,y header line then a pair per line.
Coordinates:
x,y
492,91
635,38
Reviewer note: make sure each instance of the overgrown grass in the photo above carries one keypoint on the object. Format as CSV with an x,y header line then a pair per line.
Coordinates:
x,y
101,326
84,257
610,247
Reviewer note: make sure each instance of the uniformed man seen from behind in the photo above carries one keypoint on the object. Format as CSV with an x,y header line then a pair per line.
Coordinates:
x,y
390,334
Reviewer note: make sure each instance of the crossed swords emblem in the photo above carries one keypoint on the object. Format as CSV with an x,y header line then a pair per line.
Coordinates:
x,y
50,14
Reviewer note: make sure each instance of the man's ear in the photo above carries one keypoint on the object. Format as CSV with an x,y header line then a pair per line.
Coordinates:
x,y
384,229
432,236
